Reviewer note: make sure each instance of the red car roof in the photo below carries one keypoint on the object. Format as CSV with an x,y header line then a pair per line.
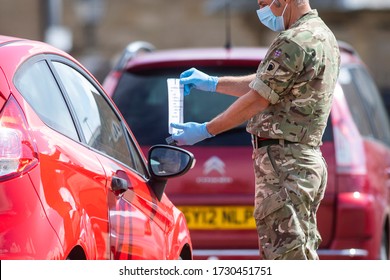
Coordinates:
x,y
216,56
34,47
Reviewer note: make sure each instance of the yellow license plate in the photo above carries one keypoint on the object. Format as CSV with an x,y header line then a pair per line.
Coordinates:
x,y
219,217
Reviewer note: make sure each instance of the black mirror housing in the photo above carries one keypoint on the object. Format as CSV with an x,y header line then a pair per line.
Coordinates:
x,y
164,162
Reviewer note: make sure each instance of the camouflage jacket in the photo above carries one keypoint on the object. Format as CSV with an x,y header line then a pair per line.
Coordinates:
x,y
297,77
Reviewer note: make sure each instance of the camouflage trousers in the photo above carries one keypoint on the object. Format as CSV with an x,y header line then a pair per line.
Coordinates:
x,y
290,184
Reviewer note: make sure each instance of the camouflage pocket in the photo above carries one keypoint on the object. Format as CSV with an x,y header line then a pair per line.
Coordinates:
x,y
278,225
273,156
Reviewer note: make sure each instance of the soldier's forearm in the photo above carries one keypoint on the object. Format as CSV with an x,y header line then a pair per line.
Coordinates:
x,y
235,86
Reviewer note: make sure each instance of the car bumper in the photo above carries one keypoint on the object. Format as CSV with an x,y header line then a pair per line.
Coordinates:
x,y
253,254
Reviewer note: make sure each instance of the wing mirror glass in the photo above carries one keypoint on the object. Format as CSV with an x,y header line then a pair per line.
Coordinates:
x,y
169,161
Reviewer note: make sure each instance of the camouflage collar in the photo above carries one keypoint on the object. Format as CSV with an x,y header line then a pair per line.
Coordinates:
x,y
311,14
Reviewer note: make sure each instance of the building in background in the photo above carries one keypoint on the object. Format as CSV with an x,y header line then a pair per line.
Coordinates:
x,y
100,29
348,5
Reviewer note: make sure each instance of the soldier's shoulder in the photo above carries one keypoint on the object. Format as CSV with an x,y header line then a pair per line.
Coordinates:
x,y
311,27
310,35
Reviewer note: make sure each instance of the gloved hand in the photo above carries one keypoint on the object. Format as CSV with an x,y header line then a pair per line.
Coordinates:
x,y
193,78
190,133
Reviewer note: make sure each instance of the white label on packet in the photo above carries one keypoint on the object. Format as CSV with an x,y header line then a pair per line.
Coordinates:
x,y
175,103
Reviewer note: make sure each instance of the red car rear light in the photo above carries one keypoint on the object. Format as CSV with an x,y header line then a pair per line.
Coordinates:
x,y
18,152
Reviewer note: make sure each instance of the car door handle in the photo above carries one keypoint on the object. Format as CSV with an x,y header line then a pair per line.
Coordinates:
x,y
119,185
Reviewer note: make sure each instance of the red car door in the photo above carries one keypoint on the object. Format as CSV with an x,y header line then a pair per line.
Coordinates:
x,y
70,181
138,221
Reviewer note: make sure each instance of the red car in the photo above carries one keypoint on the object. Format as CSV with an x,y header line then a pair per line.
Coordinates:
x,y
217,196
74,183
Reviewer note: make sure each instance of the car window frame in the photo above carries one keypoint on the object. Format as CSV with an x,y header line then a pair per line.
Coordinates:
x,y
376,109
355,102
371,115
245,141
141,165
21,70
131,143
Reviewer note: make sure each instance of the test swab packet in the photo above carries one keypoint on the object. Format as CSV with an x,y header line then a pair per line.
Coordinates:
x,y
175,103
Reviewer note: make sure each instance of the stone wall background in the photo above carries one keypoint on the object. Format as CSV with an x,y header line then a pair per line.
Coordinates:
x,y
187,23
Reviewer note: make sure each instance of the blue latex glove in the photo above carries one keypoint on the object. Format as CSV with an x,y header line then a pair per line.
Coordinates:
x,y
190,133
193,78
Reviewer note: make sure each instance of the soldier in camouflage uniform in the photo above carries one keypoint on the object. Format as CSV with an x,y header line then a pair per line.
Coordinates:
x,y
287,103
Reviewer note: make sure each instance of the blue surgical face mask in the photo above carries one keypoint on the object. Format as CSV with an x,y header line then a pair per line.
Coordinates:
x,y
267,17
